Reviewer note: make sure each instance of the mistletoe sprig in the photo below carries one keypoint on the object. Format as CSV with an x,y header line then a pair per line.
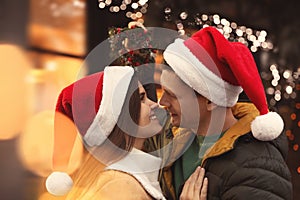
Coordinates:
x,y
132,45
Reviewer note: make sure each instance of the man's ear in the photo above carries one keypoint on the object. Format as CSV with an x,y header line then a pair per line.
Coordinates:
x,y
210,105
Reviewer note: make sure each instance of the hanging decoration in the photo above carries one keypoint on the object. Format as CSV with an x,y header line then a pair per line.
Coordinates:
x,y
132,48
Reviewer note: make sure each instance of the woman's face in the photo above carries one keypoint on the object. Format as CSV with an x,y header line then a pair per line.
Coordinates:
x,y
148,123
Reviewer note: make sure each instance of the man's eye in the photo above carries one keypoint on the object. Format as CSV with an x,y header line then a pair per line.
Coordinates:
x,y
170,94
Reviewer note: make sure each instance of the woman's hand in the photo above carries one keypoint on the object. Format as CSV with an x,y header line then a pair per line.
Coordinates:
x,y
195,188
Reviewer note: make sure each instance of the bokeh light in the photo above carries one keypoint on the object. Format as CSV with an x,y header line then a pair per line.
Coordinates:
x,y
36,144
15,89
295,147
48,196
293,116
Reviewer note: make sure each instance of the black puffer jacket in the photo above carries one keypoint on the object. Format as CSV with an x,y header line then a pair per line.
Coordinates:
x,y
252,170
238,166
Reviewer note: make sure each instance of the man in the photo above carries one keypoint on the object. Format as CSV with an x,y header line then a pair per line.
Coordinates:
x,y
241,146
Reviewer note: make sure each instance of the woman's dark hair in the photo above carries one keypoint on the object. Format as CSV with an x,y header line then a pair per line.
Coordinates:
x,y
123,127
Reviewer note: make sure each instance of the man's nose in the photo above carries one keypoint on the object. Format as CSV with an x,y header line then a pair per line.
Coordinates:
x,y
163,100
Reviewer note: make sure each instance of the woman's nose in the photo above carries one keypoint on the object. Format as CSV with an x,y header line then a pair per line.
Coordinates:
x,y
152,104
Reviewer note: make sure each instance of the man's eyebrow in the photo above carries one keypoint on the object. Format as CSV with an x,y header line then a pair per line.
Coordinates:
x,y
168,92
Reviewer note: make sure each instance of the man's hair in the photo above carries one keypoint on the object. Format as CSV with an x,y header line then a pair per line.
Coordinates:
x,y
166,66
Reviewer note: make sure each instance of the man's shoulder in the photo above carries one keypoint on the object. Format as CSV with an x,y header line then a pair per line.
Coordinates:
x,y
250,152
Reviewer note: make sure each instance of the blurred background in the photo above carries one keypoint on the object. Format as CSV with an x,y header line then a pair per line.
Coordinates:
x,y
43,44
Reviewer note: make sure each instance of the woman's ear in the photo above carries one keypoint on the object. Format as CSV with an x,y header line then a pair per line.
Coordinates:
x,y
210,105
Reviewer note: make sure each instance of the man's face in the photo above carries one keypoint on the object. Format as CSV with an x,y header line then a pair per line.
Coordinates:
x,y
180,100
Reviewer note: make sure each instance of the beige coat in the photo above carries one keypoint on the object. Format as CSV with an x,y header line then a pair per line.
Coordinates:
x,y
114,184
134,177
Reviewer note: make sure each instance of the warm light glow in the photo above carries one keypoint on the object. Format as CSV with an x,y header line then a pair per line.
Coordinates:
x,y
270,90
286,74
134,5
140,21
101,5
128,14
291,137
274,82
261,38
204,17
15,89
123,7
180,26
273,67
277,97
133,16
143,2
36,144
48,196
127,1
116,9
233,25
249,31
225,22
183,15
239,32
168,10
288,133
289,89
139,14
293,116
263,33
108,2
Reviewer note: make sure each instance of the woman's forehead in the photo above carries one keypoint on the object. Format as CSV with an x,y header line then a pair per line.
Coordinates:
x,y
141,88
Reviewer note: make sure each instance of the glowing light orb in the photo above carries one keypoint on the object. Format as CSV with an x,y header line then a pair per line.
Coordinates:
x,y
36,144
14,89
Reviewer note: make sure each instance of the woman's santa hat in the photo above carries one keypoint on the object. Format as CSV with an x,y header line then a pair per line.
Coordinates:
x,y
220,70
94,104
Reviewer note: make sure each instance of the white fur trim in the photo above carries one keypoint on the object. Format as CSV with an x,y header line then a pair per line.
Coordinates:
x,y
197,76
267,127
115,85
59,183
144,167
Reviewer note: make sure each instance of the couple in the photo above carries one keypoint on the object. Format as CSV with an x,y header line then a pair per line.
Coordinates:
x,y
240,145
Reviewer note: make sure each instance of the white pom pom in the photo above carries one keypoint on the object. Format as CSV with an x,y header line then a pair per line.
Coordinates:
x,y
267,127
59,183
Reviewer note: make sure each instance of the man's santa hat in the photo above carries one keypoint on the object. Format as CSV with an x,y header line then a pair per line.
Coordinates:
x,y
94,104
220,70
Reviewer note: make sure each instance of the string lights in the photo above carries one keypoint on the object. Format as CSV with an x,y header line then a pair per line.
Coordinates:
x,y
133,9
254,39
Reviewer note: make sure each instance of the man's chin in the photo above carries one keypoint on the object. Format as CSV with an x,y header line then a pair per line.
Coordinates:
x,y
177,123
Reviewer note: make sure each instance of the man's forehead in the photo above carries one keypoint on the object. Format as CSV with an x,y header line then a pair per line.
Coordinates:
x,y
169,80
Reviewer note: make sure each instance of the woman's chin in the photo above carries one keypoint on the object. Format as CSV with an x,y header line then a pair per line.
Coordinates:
x,y
153,128
175,121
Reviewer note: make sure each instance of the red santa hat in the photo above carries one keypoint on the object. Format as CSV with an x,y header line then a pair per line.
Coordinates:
x,y
94,104
220,70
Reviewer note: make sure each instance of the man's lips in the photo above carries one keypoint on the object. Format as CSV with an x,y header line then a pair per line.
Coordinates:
x,y
173,115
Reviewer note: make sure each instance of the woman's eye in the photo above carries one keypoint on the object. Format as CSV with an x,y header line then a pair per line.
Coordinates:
x,y
142,96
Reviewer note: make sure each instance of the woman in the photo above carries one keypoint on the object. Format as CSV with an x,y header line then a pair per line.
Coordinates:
x,y
114,116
